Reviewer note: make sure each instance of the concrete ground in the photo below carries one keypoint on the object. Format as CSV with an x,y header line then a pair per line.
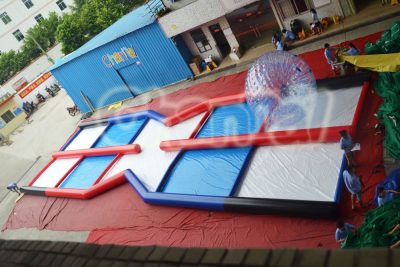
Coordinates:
x,y
33,144
51,125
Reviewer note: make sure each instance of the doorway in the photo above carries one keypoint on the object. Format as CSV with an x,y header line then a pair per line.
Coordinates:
x,y
254,24
220,39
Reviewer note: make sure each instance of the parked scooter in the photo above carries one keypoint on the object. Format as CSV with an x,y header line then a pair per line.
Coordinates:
x,y
73,110
51,92
29,108
40,98
55,87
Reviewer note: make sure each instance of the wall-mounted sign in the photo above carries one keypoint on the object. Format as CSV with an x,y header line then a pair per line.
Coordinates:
x,y
21,83
230,5
118,57
34,84
319,3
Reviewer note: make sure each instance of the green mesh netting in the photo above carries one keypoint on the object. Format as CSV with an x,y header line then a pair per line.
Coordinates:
x,y
377,223
388,87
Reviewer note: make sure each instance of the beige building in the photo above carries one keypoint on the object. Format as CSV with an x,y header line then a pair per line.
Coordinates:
x,y
287,10
218,28
11,115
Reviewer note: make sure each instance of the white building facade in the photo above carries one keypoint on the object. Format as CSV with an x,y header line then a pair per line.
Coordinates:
x,y
217,27
17,16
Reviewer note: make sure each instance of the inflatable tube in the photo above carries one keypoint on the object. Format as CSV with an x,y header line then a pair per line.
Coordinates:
x,y
357,112
101,151
126,117
41,172
79,193
314,209
71,138
205,106
340,183
329,134
115,160
200,124
179,200
187,114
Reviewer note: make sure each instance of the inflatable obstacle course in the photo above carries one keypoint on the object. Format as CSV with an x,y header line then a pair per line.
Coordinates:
x,y
221,176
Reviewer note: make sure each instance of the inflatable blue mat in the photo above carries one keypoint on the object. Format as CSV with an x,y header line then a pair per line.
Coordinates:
x,y
87,172
118,134
231,120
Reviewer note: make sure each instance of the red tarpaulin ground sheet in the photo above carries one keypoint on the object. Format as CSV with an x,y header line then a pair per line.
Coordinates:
x,y
119,216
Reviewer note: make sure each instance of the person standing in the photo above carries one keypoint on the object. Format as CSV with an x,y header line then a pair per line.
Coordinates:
x,y
275,39
354,185
329,54
346,144
383,195
289,36
343,230
352,50
315,24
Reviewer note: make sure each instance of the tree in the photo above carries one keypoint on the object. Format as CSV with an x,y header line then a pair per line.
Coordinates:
x,y
49,26
70,33
89,18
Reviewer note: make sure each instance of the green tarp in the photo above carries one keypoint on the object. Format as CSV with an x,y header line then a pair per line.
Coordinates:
x,y
388,87
378,222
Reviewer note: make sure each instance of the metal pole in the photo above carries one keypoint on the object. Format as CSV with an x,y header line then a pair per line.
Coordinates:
x,y
40,47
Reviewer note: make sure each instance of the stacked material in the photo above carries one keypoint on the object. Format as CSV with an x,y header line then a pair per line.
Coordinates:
x,y
388,87
374,231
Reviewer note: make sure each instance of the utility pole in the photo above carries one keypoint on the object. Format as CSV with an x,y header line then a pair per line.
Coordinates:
x,y
40,47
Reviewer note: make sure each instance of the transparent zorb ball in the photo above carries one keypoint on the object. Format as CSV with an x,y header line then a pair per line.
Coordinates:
x,y
276,79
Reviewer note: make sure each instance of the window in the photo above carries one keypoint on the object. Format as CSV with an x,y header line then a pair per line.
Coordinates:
x,y
61,4
18,35
5,18
200,40
7,116
39,17
27,3
290,8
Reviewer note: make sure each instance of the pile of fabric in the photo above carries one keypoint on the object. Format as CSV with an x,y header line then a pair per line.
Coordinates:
x,y
388,87
374,231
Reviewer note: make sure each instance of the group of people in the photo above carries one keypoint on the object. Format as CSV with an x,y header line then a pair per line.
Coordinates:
x,y
283,40
354,185
332,55
344,229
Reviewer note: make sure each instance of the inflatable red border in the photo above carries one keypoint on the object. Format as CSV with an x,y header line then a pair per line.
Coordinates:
x,y
328,134
100,151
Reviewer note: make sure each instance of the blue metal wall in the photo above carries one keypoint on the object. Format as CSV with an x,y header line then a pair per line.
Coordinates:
x,y
183,49
160,64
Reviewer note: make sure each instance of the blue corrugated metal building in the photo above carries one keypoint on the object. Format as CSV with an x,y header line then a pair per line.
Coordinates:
x,y
130,57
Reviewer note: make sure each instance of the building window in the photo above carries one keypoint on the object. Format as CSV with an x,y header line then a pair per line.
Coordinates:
x,y
27,3
7,116
290,8
39,17
61,4
5,18
18,35
200,40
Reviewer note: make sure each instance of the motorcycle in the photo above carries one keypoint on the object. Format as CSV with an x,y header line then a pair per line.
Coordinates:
x,y
29,108
51,92
40,98
72,110
55,87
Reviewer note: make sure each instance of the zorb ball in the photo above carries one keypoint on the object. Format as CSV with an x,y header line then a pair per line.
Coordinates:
x,y
276,82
